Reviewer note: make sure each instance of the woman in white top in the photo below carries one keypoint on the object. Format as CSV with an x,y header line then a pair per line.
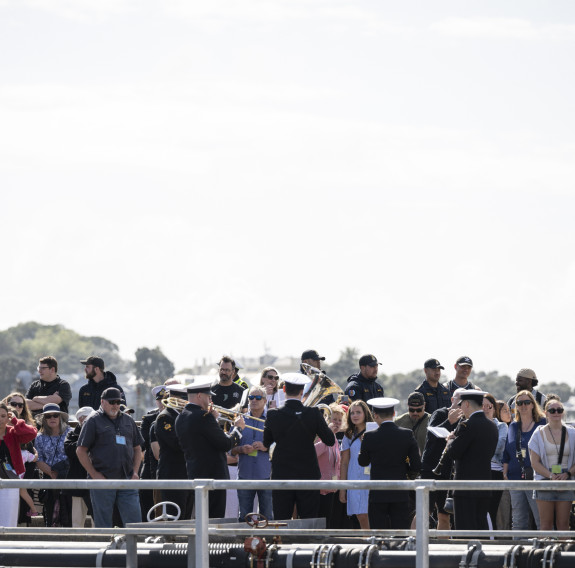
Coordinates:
x,y
269,380
545,449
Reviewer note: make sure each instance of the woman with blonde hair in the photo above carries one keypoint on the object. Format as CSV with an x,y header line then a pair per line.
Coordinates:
x,y
552,449
357,418
516,459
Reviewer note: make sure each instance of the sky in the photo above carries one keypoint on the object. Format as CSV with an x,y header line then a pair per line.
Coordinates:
x,y
238,175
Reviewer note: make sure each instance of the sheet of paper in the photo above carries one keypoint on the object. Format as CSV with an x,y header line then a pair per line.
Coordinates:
x,y
439,431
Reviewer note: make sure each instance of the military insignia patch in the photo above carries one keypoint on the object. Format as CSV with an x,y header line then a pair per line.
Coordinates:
x,y
351,392
167,426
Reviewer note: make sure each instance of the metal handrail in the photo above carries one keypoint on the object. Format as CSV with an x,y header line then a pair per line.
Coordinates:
x,y
202,487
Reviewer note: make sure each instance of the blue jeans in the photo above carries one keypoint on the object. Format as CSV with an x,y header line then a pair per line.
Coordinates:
x,y
521,502
128,501
246,501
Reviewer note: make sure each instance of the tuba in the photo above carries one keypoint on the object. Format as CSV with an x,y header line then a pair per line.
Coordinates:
x,y
321,386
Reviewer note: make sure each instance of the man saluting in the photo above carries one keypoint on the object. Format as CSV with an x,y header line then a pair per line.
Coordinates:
x,y
204,443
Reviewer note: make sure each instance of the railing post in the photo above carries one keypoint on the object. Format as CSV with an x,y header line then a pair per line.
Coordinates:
x,y
202,524
131,551
422,526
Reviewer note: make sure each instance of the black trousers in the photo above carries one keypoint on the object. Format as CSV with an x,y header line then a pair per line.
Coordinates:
x,y
184,499
386,515
307,503
471,512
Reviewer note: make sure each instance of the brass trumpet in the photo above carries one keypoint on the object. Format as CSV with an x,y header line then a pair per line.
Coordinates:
x,y
229,416
175,403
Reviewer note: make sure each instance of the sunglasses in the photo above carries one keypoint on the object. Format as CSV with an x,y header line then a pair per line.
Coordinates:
x,y
523,402
274,377
16,404
556,410
411,409
255,396
114,402
48,416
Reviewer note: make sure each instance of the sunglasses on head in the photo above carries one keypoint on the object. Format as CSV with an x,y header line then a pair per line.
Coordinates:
x,y
255,396
523,402
16,404
48,416
114,402
556,410
413,409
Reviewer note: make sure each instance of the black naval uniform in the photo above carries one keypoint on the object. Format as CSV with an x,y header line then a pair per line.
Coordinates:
x,y
393,454
472,450
293,427
149,463
360,388
205,445
172,463
435,397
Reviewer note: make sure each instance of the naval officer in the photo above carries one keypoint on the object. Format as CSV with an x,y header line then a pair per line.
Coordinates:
x,y
204,443
293,428
472,446
392,453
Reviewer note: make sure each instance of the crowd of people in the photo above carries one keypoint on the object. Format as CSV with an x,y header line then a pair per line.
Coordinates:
x,y
270,430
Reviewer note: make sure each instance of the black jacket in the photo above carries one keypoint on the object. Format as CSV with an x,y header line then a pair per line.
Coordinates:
x,y
172,463
435,398
150,463
293,427
76,470
204,443
474,445
91,392
434,447
393,453
360,388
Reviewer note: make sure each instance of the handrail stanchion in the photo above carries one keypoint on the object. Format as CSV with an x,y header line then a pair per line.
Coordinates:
x,y
131,551
202,522
422,526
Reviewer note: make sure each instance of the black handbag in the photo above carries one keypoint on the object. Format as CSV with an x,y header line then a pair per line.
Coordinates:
x,y
7,471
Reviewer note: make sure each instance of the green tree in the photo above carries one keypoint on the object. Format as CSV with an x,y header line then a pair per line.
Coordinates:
x,y
562,389
400,386
502,387
10,366
346,365
152,366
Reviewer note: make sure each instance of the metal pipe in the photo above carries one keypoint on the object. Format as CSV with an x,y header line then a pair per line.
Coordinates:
x,y
422,526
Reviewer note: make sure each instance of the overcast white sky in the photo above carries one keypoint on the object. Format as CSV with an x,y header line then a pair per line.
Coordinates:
x,y
209,176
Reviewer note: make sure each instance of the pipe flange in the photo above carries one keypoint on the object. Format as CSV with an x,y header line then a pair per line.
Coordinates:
x,y
470,557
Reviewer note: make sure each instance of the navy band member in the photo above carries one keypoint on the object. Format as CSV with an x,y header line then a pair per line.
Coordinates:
x,y
364,385
204,443
393,454
172,463
472,447
293,428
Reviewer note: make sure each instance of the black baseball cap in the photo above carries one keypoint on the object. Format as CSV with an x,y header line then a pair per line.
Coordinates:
x,y
368,361
311,354
464,361
433,364
112,393
94,361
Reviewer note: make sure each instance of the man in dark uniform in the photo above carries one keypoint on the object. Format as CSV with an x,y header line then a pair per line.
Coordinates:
x,y
472,447
150,463
447,418
204,443
463,367
293,428
364,385
436,395
172,463
227,393
392,453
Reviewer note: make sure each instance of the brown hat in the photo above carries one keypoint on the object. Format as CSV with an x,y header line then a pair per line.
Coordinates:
x,y
528,374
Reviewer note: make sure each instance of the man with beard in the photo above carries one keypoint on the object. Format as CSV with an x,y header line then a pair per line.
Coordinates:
x,y
364,385
526,380
436,395
98,381
416,419
227,393
463,367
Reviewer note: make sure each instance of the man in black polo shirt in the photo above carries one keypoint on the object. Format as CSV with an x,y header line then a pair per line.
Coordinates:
x,y
227,393
436,395
50,388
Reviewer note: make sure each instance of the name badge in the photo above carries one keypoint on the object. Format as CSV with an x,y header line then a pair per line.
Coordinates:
x,y
556,469
367,470
523,453
254,454
121,440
